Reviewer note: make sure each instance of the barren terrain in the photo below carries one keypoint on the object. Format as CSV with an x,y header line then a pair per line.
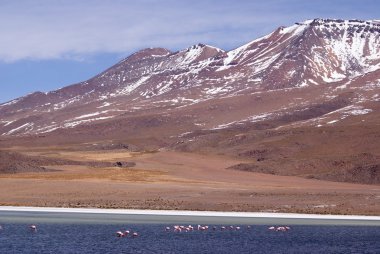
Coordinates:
x,y
174,180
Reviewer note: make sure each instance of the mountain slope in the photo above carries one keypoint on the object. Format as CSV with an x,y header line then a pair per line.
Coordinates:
x,y
296,67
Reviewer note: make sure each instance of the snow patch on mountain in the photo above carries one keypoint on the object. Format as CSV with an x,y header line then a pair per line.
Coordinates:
x,y
105,104
90,115
296,29
25,127
250,119
71,124
129,88
10,102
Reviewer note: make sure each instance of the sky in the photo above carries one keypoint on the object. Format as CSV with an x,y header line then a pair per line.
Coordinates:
x,y
48,44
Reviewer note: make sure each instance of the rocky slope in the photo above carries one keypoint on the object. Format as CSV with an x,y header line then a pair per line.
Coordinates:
x,y
322,57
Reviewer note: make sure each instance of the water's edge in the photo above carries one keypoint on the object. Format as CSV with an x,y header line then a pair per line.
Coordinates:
x,y
121,216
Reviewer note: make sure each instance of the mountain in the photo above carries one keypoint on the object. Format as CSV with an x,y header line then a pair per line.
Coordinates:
x,y
332,56
320,72
303,97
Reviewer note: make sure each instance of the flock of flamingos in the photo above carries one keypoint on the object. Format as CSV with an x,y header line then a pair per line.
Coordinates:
x,y
189,228
181,228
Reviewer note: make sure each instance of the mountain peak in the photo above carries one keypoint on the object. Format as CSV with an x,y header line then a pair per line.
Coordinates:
x,y
340,23
148,53
198,53
203,46
337,28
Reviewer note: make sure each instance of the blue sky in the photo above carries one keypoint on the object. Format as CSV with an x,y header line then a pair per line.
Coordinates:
x,y
47,44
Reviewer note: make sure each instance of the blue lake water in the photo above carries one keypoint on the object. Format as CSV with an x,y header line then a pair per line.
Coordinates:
x,y
101,238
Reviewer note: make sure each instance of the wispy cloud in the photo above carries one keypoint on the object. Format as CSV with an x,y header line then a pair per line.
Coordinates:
x,y
48,29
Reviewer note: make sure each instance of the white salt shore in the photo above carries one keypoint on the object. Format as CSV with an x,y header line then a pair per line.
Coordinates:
x,y
161,216
187,213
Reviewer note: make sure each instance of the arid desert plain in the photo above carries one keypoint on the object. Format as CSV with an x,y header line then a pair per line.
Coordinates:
x,y
174,180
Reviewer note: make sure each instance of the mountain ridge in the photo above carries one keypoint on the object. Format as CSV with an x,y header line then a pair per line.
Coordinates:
x,y
312,53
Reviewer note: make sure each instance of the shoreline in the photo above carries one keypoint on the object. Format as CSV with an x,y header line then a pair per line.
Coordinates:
x,y
97,215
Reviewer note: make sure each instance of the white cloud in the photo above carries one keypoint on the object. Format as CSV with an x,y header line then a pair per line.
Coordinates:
x,y
53,29
45,29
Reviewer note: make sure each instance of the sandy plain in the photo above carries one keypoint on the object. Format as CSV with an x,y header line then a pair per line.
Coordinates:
x,y
178,181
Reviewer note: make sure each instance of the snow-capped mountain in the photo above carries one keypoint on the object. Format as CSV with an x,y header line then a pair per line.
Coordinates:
x,y
314,62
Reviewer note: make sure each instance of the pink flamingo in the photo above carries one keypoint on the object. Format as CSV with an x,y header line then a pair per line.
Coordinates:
x,y
281,229
271,228
119,234
135,234
33,228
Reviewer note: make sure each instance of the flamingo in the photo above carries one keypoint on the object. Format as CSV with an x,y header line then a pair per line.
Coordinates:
x,y
280,229
248,227
119,234
167,229
222,228
237,228
126,233
135,234
33,228
271,228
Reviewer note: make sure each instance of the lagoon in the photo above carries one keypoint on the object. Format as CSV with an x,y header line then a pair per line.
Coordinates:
x,y
93,231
